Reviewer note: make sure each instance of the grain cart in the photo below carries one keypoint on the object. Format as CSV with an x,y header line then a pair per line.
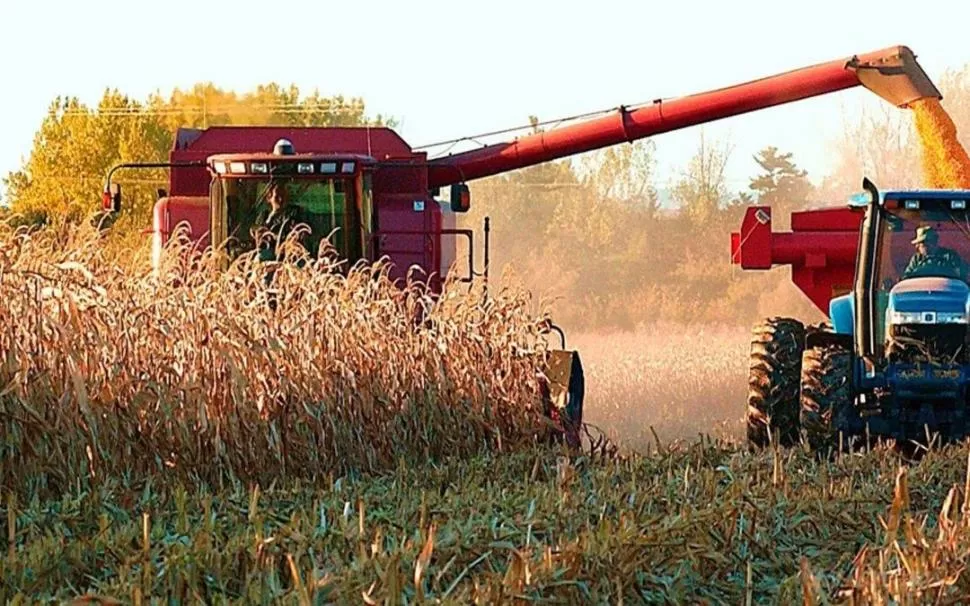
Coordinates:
x,y
382,195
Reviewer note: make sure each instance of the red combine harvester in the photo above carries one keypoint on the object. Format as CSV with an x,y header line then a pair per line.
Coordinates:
x,y
379,193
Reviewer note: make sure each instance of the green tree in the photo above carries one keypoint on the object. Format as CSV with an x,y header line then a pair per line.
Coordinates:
x,y
781,184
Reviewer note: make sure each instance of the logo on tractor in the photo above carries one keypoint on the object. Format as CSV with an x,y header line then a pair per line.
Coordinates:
x,y
911,373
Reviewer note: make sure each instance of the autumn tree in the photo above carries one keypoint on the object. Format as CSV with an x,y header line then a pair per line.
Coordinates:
x,y
702,190
881,145
955,85
580,229
76,145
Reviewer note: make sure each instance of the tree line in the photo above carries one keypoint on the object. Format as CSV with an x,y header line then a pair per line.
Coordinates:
x,y
592,234
76,144
589,234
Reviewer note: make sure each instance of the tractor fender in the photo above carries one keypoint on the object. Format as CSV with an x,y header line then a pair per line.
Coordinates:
x,y
842,314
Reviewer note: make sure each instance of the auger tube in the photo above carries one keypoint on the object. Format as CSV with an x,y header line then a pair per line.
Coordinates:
x,y
892,73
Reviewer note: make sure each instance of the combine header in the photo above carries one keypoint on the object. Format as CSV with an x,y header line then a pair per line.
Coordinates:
x,y
380,194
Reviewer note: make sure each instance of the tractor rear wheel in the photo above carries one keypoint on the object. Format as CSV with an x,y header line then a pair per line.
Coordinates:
x,y
773,381
826,395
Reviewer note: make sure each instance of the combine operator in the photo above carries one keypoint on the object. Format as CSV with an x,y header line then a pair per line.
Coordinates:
x,y
931,259
274,225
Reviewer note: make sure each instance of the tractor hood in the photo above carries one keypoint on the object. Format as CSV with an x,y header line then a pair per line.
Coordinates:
x,y
928,297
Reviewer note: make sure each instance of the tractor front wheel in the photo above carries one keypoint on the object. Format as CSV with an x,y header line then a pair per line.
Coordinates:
x,y
826,395
773,381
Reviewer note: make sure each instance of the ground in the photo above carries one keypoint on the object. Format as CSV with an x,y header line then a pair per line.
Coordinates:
x,y
679,381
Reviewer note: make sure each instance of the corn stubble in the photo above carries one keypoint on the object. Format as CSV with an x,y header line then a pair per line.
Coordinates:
x,y
704,524
171,438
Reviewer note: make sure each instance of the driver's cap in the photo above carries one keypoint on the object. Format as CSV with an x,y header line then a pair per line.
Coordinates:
x,y
925,233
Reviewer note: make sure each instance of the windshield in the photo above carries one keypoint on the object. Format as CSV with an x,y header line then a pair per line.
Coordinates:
x,y
921,243
323,205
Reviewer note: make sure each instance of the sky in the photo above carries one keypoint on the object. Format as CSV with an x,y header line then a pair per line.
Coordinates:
x,y
449,69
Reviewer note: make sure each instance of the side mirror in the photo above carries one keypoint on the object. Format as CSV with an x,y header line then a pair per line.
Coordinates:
x,y
461,198
111,199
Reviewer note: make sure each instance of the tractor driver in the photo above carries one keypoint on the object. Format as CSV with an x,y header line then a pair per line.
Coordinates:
x,y
931,259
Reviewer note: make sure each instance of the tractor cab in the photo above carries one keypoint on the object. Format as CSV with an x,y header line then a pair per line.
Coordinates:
x,y
920,263
329,194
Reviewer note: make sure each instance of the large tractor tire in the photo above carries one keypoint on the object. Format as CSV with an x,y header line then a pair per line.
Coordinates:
x,y
773,382
826,396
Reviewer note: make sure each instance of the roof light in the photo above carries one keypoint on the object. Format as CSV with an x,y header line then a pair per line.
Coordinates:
x,y
347,168
891,204
328,168
305,168
283,147
237,167
912,204
958,204
220,167
260,168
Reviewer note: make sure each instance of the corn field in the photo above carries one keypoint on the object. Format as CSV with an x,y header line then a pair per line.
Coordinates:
x,y
111,371
666,382
195,436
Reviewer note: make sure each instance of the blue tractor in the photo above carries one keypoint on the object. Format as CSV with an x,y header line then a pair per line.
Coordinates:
x,y
894,362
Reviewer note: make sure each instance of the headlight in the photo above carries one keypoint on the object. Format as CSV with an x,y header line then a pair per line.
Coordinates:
x,y
927,317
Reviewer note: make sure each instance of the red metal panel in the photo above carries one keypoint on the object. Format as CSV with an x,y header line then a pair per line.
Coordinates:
x,y
188,181
793,248
379,143
821,285
828,219
821,249
753,250
405,235
172,211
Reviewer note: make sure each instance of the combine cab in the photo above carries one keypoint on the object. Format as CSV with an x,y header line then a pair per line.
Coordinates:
x,y
375,196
